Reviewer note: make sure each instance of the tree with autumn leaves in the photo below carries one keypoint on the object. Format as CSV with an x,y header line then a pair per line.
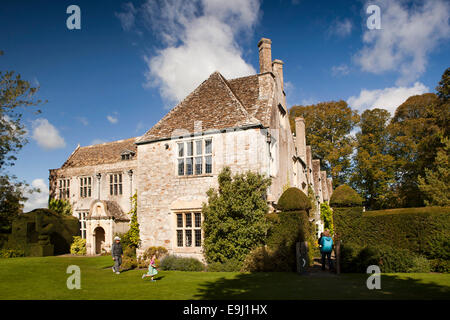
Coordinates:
x,y
391,161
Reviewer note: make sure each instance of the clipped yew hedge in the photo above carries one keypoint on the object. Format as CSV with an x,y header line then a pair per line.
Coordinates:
x,y
345,196
423,231
293,199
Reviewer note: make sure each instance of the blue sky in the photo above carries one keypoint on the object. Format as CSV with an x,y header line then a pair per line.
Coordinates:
x,y
131,61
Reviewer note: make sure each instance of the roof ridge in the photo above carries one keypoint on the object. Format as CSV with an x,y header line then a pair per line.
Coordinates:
x,y
141,138
241,105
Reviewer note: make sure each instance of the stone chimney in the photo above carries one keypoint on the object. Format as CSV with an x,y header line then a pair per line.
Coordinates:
x,y
265,55
317,180
324,181
300,138
277,66
330,187
309,165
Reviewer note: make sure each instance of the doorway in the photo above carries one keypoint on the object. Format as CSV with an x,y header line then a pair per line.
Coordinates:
x,y
99,239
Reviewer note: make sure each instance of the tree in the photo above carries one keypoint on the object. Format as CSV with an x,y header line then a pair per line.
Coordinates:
x,y
328,127
326,214
60,206
436,183
234,217
15,94
374,168
416,130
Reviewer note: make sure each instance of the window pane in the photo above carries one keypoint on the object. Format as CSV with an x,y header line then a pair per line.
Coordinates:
x,y
198,147
198,220
198,165
181,149
110,189
120,178
208,164
198,238
110,179
115,189
189,165
89,180
84,234
179,220
188,238
180,167
188,220
89,192
190,146
115,178
81,191
120,188
179,238
208,146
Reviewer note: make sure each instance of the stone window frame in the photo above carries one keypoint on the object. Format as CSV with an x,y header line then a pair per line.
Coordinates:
x,y
190,150
115,184
185,227
82,215
85,186
64,188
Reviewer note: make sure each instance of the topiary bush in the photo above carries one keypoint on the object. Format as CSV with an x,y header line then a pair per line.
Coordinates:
x,y
172,262
78,246
293,199
11,253
345,196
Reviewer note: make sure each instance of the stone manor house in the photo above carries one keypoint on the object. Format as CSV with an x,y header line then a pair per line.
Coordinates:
x,y
241,123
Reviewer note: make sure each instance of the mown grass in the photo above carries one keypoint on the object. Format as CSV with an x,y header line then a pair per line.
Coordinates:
x,y
45,278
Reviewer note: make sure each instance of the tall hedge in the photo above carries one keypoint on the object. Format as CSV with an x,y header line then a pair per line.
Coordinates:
x,y
423,231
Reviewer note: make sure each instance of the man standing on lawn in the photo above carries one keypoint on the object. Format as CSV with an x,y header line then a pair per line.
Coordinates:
x,y
117,253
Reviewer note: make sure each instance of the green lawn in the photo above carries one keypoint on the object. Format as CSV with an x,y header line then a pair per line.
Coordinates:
x,y
45,278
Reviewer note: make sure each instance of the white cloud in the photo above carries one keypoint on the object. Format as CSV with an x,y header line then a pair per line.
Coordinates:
x,y
36,199
408,34
112,119
83,120
341,28
46,135
97,141
128,16
199,38
388,98
340,70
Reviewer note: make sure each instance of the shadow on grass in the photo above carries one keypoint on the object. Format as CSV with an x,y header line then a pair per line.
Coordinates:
x,y
290,286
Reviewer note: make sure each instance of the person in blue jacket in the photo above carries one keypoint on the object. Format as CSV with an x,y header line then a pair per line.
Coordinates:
x,y
326,247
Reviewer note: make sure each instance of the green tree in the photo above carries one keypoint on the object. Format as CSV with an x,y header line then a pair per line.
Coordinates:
x,y
328,127
15,95
60,206
436,183
234,217
416,130
374,168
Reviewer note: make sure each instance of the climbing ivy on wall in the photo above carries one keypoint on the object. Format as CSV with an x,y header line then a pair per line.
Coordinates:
x,y
132,235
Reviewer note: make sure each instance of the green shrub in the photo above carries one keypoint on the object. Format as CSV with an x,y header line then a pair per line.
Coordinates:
x,y
345,196
60,206
326,214
129,263
129,252
395,259
228,266
293,199
172,262
420,265
78,246
11,253
262,259
440,265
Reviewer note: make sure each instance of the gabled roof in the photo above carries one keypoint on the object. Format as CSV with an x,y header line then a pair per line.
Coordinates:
x,y
104,153
219,104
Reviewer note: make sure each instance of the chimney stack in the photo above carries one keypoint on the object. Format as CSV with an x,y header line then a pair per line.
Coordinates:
x,y
265,55
277,66
300,138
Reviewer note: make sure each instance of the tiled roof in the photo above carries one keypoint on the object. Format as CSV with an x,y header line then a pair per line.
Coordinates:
x,y
104,153
217,103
